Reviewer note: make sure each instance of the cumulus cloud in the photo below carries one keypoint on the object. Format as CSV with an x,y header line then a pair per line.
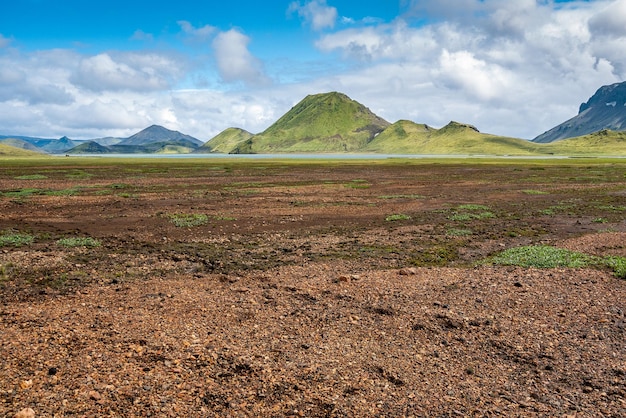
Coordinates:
x,y
394,41
611,21
234,60
133,71
103,114
140,35
463,71
34,80
315,13
203,33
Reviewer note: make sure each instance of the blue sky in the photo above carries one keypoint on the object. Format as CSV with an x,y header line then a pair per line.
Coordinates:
x,y
90,69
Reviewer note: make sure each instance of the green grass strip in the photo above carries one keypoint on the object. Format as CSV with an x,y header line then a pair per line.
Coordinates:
x,y
545,256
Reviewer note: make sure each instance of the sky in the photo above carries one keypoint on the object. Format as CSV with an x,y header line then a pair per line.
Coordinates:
x,y
92,69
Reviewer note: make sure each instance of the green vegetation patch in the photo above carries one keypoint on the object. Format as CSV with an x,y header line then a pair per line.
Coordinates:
x,y
72,242
454,232
612,208
472,207
358,184
188,220
31,177
545,256
542,256
534,192
467,212
22,193
465,217
617,264
397,217
15,239
402,196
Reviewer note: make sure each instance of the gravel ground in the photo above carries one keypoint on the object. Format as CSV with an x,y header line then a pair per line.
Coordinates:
x,y
318,340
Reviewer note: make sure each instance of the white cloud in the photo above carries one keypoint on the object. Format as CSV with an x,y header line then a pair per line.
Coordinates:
x,y
234,60
610,21
132,71
140,35
462,71
315,13
396,41
203,33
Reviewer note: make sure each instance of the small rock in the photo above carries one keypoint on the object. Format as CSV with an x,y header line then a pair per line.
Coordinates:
x,y
94,395
26,384
343,278
409,271
52,371
25,413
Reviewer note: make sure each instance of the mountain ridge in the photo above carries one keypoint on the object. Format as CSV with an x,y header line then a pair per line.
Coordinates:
x,y
606,109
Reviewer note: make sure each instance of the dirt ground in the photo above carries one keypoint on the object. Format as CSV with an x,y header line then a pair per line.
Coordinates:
x,y
316,289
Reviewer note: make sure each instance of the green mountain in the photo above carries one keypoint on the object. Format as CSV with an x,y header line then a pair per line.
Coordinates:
x,y
406,137
156,133
328,122
9,151
225,141
20,143
90,147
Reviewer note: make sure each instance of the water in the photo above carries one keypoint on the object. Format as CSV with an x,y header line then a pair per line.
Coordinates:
x,y
309,156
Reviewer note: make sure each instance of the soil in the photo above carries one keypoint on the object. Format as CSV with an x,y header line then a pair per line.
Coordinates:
x,y
341,289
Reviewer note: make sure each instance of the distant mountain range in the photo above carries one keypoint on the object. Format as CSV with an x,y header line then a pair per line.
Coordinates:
x,y
334,123
153,139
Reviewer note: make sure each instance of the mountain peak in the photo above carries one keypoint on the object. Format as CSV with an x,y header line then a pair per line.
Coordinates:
x,y
458,126
325,122
157,133
613,95
606,109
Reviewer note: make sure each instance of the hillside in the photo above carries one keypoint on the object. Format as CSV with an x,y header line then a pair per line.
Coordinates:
x,y
181,146
157,133
406,137
20,143
328,122
604,142
225,141
606,109
9,151
90,147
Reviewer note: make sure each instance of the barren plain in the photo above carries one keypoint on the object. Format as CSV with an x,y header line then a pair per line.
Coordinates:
x,y
236,288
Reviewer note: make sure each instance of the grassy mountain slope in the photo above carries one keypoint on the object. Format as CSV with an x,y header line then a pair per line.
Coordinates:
x,y
328,122
604,142
20,143
406,137
9,151
90,147
225,141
